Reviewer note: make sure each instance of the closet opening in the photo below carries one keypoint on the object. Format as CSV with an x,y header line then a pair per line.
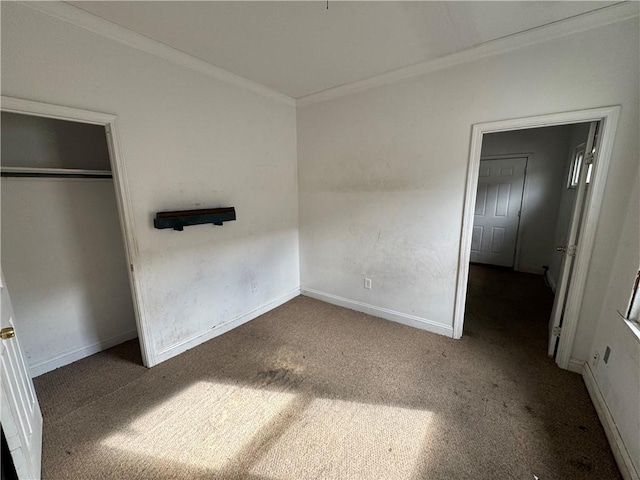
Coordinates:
x,y
63,252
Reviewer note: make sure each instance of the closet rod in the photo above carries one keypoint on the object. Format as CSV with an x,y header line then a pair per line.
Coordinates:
x,y
53,172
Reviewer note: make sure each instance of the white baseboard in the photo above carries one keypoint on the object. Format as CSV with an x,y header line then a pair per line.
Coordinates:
x,y
620,452
196,340
534,271
575,366
398,317
551,280
61,360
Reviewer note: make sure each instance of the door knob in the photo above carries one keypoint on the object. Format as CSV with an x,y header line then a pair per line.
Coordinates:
x,y
7,333
561,249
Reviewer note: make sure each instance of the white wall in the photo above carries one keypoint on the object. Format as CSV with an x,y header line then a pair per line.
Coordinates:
x,y
383,171
64,264
382,175
188,141
545,178
619,379
579,135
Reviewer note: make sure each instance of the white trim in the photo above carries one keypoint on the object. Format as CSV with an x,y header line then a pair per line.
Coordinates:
x,y
634,327
38,109
620,452
580,23
609,117
551,280
576,365
127,225
123,200
392,315
532,271
63,359
200,338
83,19
506,156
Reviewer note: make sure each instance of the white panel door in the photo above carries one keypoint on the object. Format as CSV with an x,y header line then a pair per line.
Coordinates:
x,y
497,213
19,412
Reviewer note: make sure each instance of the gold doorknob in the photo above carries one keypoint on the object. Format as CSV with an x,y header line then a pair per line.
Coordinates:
x,y
7,333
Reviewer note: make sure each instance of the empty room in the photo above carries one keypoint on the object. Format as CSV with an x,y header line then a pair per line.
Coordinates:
x,y
320,240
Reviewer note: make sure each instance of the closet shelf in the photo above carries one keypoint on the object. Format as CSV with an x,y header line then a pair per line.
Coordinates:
x,y
53,172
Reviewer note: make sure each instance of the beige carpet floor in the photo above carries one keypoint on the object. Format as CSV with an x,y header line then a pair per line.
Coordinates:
x,y
314,391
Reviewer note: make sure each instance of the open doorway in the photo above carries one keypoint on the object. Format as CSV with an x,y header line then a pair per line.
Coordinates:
x,y
507,219
68,251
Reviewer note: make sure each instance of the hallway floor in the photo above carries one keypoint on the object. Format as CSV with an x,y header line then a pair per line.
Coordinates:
x,y
314,391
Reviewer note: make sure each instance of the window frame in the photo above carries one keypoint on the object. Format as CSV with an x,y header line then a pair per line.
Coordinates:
x,y
633,309
575,166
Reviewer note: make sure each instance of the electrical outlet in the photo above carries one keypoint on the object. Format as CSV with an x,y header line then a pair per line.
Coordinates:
x,y
607,352
254,286
367,283
595,359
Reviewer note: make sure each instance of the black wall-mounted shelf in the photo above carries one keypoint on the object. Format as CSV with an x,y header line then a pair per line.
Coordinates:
x,y
185,218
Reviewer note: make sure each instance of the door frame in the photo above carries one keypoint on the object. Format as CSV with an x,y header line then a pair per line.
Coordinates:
x,y
123,199
593,203
521,219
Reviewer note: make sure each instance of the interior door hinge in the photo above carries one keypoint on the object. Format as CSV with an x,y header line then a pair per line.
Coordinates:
x,y
588,159
557,331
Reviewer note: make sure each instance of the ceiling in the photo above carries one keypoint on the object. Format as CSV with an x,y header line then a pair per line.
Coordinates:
x,y
300,48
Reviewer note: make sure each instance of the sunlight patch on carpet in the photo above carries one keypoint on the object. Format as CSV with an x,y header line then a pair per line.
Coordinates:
x,y
338,439
205,426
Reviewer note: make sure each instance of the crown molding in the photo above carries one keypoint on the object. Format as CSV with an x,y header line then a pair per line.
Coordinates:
x,y
580,23
76,16
88,21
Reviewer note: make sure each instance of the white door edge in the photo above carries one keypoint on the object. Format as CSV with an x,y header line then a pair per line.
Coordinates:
x,y
20,413
573,237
